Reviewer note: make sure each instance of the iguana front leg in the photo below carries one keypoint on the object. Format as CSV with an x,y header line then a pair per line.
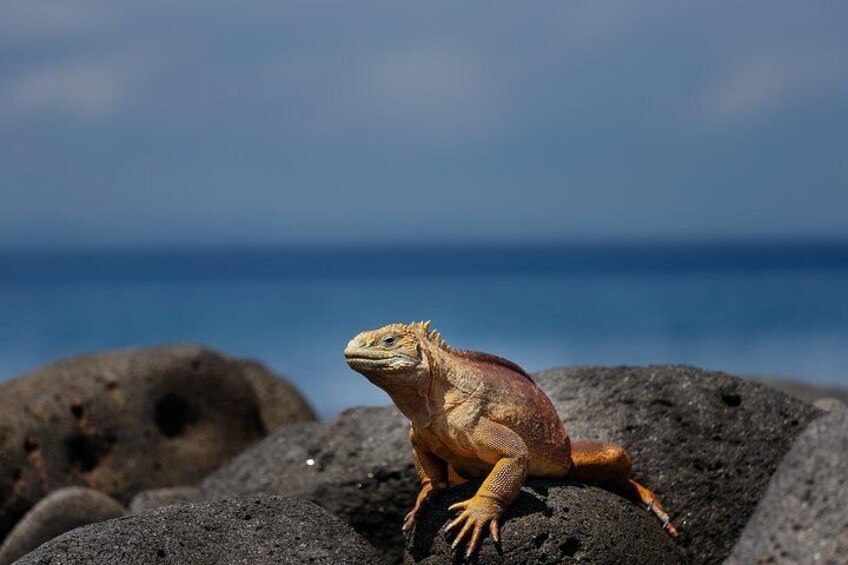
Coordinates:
x,y
503,448
433,473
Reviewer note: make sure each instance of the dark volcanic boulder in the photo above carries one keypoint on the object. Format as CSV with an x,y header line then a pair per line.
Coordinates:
x,y
706,443
358,466
551,522
255,530
60,511
803,517
125,421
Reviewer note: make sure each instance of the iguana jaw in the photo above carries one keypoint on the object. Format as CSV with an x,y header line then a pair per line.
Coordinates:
x,y
368,360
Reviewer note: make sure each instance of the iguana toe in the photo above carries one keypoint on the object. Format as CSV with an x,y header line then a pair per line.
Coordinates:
x,y
477,515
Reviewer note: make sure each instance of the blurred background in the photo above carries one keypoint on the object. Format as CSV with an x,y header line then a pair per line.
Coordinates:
x,y
558,183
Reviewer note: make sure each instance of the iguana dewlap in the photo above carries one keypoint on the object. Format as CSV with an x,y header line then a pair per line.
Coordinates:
x,y
476,415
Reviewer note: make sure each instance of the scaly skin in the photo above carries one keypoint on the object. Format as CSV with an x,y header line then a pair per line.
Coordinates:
x,y
476,415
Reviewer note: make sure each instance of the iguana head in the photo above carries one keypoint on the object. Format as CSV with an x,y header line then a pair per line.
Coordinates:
x,y
391,350
397,358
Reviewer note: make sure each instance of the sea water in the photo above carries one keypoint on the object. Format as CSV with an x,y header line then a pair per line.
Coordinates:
x,y
772,309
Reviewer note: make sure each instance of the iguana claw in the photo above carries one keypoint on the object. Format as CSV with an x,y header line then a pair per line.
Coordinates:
x,y
477,515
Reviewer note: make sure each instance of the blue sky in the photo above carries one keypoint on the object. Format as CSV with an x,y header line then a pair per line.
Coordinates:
x,y
189,122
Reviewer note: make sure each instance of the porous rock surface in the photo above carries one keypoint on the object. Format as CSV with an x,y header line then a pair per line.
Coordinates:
x,y
707,443
251,530
550,522
358,466
803,517
60,511
125,421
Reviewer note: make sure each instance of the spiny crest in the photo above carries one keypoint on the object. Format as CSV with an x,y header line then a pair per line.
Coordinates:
x,y
433,336
423,326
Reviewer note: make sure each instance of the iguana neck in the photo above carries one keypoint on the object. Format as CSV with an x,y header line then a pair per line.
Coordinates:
x,y
430,391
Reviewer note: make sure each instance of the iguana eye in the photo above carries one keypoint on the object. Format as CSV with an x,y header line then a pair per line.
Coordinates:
x,y
388,340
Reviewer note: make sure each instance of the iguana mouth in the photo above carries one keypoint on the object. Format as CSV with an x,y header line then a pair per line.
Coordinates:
x,y
365,359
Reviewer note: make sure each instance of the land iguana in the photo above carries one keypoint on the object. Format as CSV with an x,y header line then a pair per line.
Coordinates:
x,y
477,415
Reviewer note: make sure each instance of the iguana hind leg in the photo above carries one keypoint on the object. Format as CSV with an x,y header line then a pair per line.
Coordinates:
x,y
609,466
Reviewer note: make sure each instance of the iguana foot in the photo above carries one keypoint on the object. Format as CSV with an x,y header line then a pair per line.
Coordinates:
x,y
424,495
409,520
478,514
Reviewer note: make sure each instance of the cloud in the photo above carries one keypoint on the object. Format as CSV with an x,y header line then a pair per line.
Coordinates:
x,y
81,88
764,83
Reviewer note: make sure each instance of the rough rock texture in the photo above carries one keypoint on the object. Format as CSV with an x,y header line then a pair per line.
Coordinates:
x,y
551,522
255,530
706,443
803,517
60,511
358,466
124,421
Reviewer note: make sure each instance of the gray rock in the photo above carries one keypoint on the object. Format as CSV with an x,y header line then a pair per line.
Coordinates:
x,y
251,530
60,511
803,517
358,466
706,443
551,522
158,497
125,421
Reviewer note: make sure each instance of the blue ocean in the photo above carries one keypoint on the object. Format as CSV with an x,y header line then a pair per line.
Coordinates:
x,y
775,309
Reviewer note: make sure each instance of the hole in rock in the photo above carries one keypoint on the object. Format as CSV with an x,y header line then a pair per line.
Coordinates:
x,y
84,452
77,410
539,540
569,547
732,399
30,444
173,415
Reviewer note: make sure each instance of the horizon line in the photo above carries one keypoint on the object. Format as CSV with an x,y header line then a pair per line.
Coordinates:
x,y
488,244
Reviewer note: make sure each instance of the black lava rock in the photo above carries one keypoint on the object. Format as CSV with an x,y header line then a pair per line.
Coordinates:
x,y
803,517
125,421
358,466
550,522
251,530
707,443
